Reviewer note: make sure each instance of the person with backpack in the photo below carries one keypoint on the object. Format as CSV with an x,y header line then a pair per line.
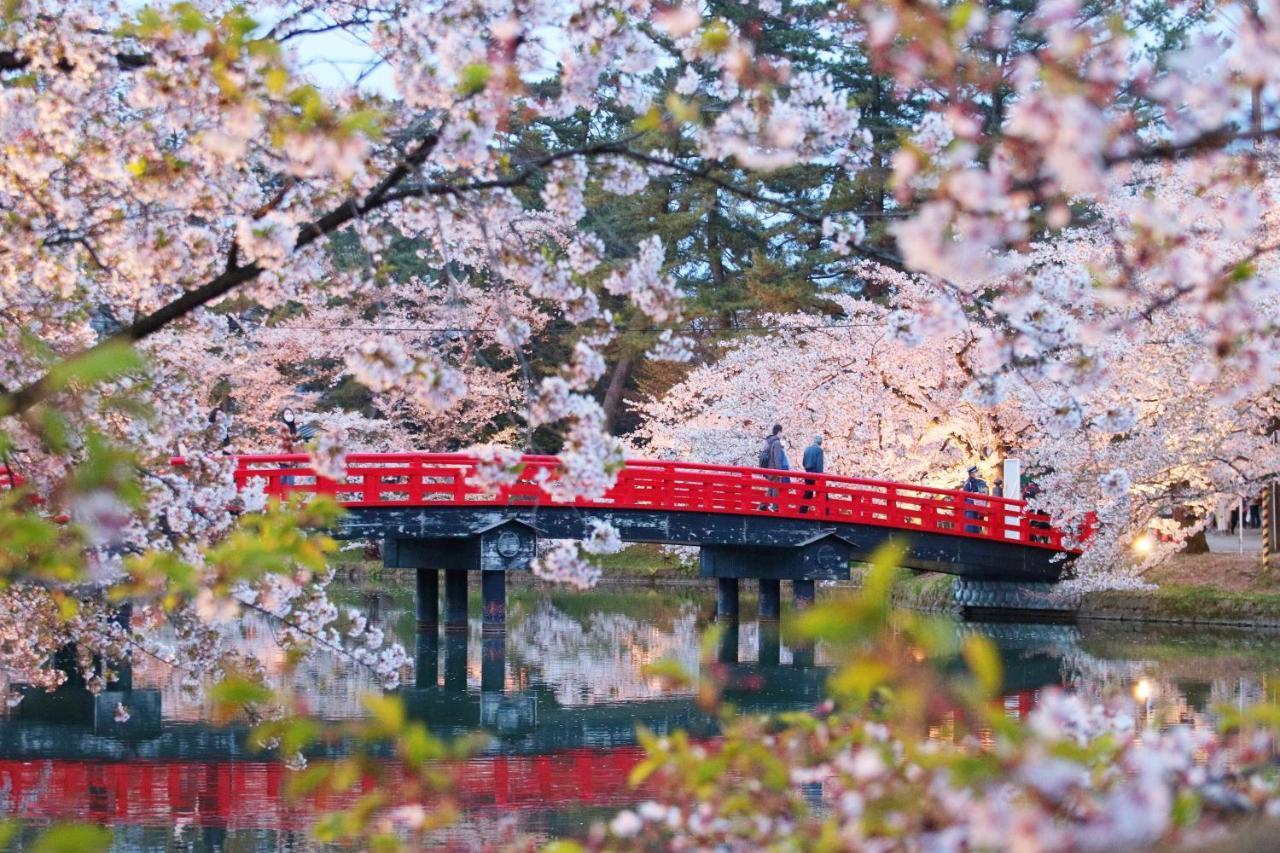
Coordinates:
x,y
773,455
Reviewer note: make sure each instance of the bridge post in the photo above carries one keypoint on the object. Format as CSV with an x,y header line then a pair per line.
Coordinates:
x,y
802,592
493,590
770,599
455,599
727,599
428,599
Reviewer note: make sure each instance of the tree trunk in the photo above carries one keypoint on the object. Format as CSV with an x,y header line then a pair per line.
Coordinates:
x,y
1197,544
612,404
715,252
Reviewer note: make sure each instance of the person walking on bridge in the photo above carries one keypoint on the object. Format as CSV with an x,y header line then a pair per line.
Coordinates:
x,y
973,483
813,464
773,455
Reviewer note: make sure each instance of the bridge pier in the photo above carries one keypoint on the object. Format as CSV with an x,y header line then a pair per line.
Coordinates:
x,y
727,599
802,592
428,599
455,600
770,599
823,556
493,594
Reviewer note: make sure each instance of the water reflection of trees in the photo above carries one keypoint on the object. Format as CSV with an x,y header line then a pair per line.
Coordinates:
x,y
330,684
601,658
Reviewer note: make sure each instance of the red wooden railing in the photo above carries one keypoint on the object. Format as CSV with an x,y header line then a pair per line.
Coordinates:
x,y
448,479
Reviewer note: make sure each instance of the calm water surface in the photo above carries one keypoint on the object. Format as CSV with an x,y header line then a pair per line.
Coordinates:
x,y
559,696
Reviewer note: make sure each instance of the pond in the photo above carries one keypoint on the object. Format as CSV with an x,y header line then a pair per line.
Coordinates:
x,y
559,696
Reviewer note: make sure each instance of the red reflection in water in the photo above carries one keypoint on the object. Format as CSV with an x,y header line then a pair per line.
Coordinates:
x,y
250,795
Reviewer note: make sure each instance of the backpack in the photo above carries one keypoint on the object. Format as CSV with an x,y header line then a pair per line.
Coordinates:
x,y
763,461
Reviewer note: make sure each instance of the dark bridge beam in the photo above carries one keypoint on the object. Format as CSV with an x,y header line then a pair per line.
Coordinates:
x,y
492,549
976,558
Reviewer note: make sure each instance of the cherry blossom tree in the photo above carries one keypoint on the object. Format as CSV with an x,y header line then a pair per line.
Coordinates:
x,y
171,170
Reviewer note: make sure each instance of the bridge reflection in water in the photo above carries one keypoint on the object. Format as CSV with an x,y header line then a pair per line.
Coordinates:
x,y
64,758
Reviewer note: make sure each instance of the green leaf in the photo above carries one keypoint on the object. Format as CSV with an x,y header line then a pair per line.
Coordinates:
x,y
387,711
669,670
474,78
73,838
984,662
715,37
107,361
563,846
276,79
237,691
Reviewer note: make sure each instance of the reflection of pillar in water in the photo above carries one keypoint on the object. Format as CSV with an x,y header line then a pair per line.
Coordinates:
x,y
455,662
455,599
802,590
493,662
770,638
493,595
428,599
123,668
373,607
770,599
728,651
727,598
427,668
802,655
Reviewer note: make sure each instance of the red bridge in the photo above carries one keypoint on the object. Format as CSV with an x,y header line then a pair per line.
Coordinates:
x,y
433,511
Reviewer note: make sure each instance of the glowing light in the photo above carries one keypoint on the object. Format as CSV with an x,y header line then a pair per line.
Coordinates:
x,y
1143,545
1143,690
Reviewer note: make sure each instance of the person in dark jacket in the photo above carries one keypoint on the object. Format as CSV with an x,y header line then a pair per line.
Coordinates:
x,y
973,483
813,464
774,455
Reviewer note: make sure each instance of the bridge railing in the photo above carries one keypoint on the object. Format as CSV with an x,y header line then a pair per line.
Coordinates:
x,y
440,479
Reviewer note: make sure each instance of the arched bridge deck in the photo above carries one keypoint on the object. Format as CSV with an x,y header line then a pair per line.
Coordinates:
x,y
447,511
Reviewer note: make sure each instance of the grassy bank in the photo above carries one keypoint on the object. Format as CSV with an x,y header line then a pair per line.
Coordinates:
x,y
1203,589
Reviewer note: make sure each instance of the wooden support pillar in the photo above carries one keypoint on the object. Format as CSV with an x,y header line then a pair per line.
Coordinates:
x,y
770,599
455,599
427,660
727,599
428,599
802,592
493,592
